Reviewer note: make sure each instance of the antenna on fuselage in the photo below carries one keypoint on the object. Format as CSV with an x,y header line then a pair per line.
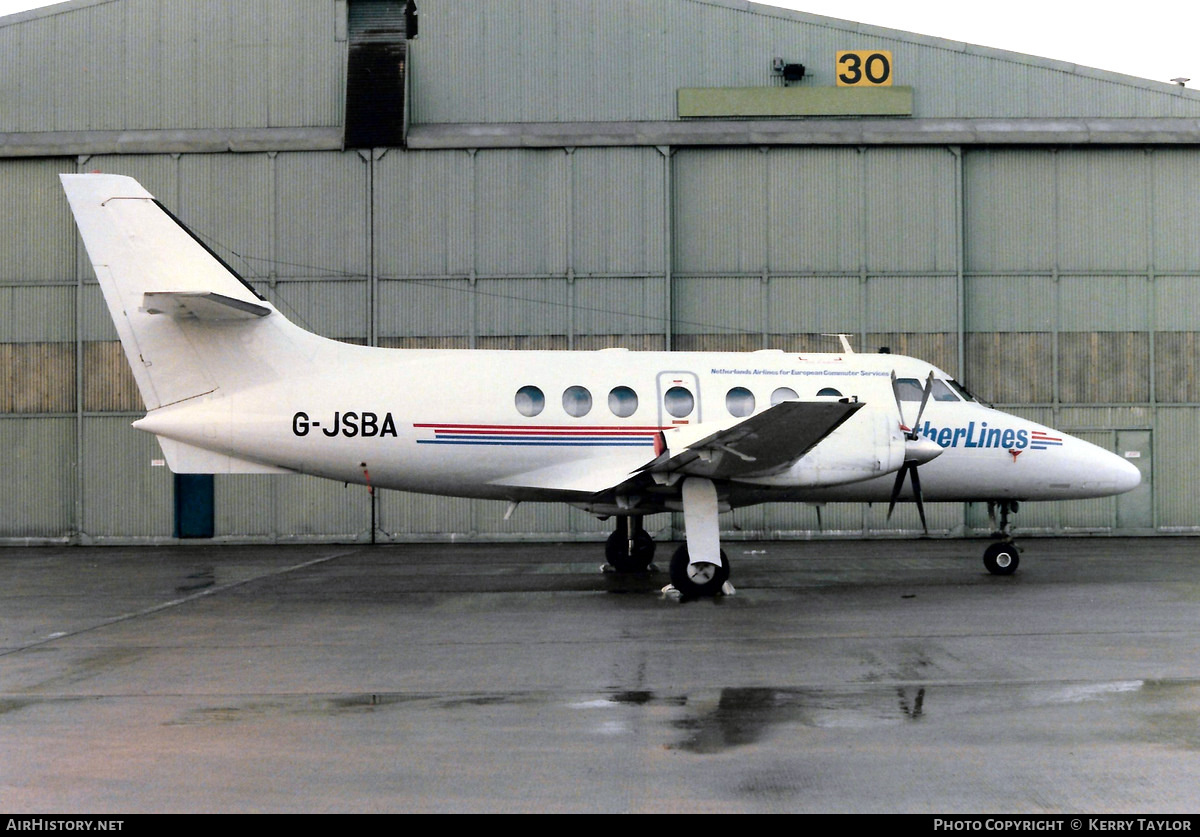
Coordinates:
x,y
845,338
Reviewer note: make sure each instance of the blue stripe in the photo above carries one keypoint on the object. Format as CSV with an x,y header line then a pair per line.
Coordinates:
x,y
537,443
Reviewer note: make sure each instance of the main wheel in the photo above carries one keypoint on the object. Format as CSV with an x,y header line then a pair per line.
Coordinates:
x,y
695,580
1001,558
616,551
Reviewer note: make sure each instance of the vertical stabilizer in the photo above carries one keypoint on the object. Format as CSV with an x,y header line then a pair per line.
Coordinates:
x,y
144,258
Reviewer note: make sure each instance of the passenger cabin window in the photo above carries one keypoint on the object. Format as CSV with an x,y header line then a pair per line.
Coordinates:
x,y
783,394
530,401
829,392
679,402
739,401
577,401
623,402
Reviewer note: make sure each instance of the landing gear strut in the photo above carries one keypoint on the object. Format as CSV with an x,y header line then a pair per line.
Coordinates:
x,y
630,548
1002,557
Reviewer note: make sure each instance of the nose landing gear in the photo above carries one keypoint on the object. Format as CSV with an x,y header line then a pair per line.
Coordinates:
x,y
1002,557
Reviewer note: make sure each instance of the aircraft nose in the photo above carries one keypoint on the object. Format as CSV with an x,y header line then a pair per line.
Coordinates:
x,y
1126,476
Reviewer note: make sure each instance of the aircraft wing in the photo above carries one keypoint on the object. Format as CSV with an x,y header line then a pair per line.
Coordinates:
x,y
761,445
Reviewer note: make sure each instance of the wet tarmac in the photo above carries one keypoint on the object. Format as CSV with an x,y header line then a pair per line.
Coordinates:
x,y
888,676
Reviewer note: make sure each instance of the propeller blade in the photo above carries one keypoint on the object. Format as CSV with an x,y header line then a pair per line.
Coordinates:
x,y
896,395
897,486
916,484
924,401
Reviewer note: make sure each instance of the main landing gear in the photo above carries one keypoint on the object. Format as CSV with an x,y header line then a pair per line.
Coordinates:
x,y
630,548
698,568
1002,557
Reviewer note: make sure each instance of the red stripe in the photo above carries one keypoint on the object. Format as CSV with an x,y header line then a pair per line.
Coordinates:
x,y
547,428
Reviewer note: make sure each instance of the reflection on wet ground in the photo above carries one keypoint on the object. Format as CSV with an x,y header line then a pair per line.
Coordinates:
x,y
511,678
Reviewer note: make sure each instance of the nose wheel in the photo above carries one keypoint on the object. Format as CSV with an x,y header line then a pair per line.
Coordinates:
x,y
1001,558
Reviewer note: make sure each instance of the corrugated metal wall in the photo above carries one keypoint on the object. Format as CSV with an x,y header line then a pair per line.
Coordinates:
x,y
182,64
1080,317
535,61
1058,283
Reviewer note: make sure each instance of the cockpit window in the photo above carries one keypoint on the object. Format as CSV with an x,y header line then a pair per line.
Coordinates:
x,y
961,390
911,389
941,392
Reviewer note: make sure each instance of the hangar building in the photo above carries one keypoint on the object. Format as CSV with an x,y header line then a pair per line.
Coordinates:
x,y
576,175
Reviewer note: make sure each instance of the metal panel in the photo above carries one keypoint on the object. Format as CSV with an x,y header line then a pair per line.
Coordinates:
x,y
530,60
718,305
1176,183
1010,368
522,306
37,242
1104,366
911,303
1008,223
617,211
320,216
521,212
619,306
312,508
39,474
814,304
37,377
115,456
174,64
1103,303
1177,366
1177,463
1102,210
424,226
909,200
425,307
227,200
1009,303
1175,301
37,314
331,309
814,219
720,207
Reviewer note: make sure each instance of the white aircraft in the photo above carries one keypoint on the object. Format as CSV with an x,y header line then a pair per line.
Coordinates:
x,y
232,387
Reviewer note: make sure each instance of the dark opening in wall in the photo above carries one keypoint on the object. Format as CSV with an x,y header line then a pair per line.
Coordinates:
x,y
378,34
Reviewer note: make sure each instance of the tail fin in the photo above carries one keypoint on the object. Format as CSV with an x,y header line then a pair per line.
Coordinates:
x,y
160,283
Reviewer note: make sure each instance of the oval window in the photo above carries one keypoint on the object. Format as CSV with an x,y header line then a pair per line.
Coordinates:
x,y
623,402
739,401
530,401
577,401
783,394
679,402
829,391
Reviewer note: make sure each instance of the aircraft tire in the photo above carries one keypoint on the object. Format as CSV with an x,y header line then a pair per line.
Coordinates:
x,y
616,552
1001,558
702,579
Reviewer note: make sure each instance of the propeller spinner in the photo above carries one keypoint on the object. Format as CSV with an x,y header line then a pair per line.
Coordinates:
x,y
917,450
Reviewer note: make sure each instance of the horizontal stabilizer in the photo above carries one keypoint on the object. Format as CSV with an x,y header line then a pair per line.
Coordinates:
x,y
201,306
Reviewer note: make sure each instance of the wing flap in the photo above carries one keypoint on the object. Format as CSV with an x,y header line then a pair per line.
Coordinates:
x,y
761,445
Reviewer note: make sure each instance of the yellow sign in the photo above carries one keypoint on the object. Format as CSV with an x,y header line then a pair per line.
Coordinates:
x,y
864,68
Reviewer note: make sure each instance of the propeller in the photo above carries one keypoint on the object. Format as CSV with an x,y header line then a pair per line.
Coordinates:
x,y
917,451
